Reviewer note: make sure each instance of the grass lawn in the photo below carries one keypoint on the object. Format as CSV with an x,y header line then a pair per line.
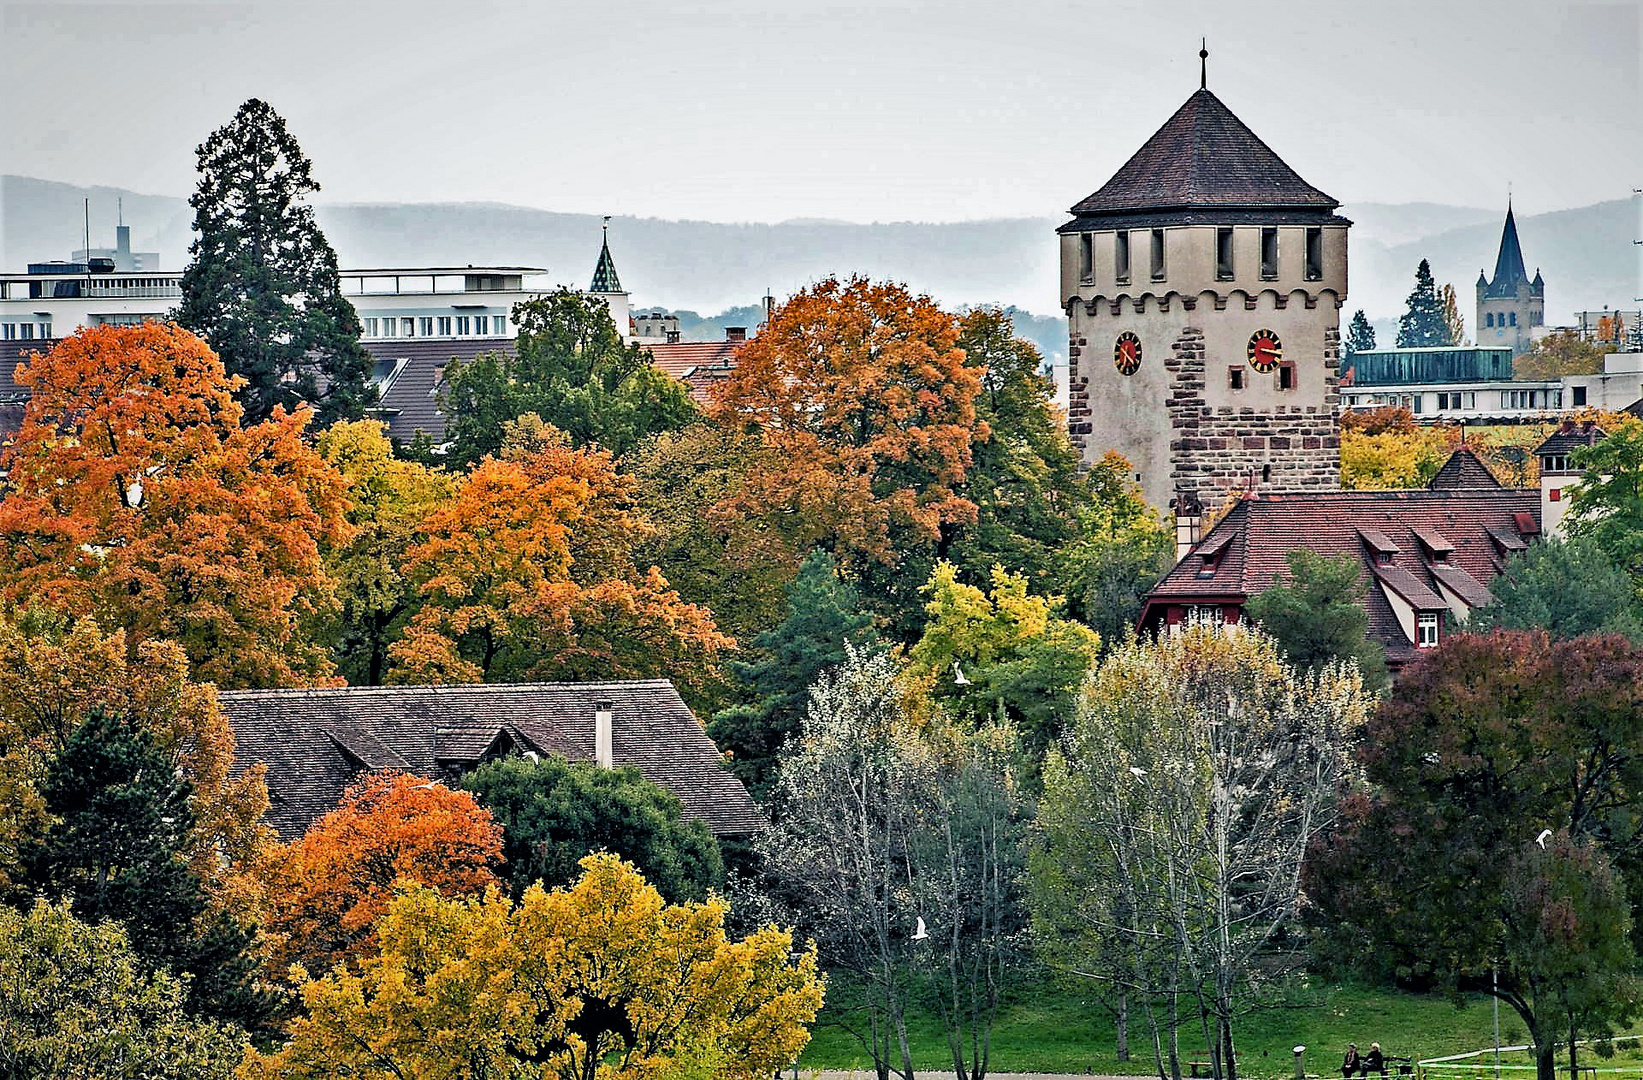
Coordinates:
x,y
1049,1028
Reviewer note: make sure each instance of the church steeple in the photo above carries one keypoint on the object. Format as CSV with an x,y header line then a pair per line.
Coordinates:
x,y
1509,270
604,272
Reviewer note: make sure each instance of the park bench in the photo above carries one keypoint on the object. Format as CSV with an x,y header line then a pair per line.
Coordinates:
x,y
1201,1065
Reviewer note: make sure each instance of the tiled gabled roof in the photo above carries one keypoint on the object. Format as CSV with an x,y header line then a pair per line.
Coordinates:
x,y
1204,157
698,364
1478,523
1570,437
1464,469
411,371
314,742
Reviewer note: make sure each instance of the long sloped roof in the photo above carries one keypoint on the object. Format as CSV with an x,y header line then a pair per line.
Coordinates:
x,y
315,742
1477,526
1204,157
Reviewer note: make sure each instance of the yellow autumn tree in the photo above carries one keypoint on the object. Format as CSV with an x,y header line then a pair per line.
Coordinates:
x,y
1002,653
603,979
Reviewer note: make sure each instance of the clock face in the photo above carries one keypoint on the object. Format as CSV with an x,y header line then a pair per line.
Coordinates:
x,y
1265,350
1126,353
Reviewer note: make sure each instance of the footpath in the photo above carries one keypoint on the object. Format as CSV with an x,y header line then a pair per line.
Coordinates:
x,y
937,1074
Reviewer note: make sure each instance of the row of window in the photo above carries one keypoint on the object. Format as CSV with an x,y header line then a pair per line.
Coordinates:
x,y
1462,400
24,331
437,326
1506,318
1225,261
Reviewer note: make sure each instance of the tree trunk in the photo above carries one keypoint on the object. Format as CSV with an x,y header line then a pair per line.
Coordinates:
x,y
1121,1026
1545,1059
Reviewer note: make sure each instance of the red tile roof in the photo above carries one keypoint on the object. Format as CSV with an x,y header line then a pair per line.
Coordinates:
x,y
1258,534
698,363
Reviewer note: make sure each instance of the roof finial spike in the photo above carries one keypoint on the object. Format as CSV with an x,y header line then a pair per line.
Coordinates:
x,y
1203,64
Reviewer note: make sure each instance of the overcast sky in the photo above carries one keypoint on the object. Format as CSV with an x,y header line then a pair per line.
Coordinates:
x,y
764,110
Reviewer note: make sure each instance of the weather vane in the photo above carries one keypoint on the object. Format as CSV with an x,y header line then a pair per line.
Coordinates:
x,y
1203,64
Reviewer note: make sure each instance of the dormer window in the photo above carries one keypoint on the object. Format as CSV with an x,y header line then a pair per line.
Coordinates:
x,y
1211,553
1437,547
1380,545
1426,630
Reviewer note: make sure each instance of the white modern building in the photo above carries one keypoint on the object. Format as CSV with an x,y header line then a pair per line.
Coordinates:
x,y
1475,383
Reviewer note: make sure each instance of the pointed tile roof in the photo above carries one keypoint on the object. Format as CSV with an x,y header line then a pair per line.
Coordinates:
x,y
1204,157
1509,271
604,274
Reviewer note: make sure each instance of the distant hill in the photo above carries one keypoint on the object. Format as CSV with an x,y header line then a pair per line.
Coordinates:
x,y
1586,254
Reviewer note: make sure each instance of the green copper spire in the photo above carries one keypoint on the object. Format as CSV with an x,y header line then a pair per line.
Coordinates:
x,y
604,274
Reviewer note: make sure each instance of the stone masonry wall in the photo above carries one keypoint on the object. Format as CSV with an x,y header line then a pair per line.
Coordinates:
x,y
1215,451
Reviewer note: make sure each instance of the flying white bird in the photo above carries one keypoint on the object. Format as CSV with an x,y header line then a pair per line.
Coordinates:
x,y
1137,771
1541,839
958,675
919,933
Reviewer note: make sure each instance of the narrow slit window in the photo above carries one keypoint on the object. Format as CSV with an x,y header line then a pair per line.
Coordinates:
x,y
1223,255
1121,256
1269,254
1314,254
1286,376
1158,268
1086,257
1235,378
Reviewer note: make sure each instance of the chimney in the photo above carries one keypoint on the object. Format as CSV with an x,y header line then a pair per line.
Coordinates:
x,y
672,337
601,736
736,334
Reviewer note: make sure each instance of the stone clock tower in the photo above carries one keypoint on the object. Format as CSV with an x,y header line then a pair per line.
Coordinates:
x,y
1203,285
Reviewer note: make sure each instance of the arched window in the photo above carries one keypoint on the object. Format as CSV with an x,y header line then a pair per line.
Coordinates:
x,y
1489,319
1513,317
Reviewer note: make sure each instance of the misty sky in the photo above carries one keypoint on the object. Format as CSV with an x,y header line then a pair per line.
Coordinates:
x,y
763,110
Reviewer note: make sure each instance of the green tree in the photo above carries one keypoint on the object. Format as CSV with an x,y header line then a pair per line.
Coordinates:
x,y
571,367
724,562
1360,336
1175,818
1423,323
76,1001
120,823
262,286
1121,551
1569,588
824,615
388,500
1607,505
1025,476
1002,654
1487,747
554,813
1317,616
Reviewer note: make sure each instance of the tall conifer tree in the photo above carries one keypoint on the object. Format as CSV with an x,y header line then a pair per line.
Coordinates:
x,y
262,287
823,614
1360,335
1423,324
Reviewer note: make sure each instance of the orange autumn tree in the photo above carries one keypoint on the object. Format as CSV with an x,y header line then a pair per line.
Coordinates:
x,y
861,390
323,893
528,573
133,492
